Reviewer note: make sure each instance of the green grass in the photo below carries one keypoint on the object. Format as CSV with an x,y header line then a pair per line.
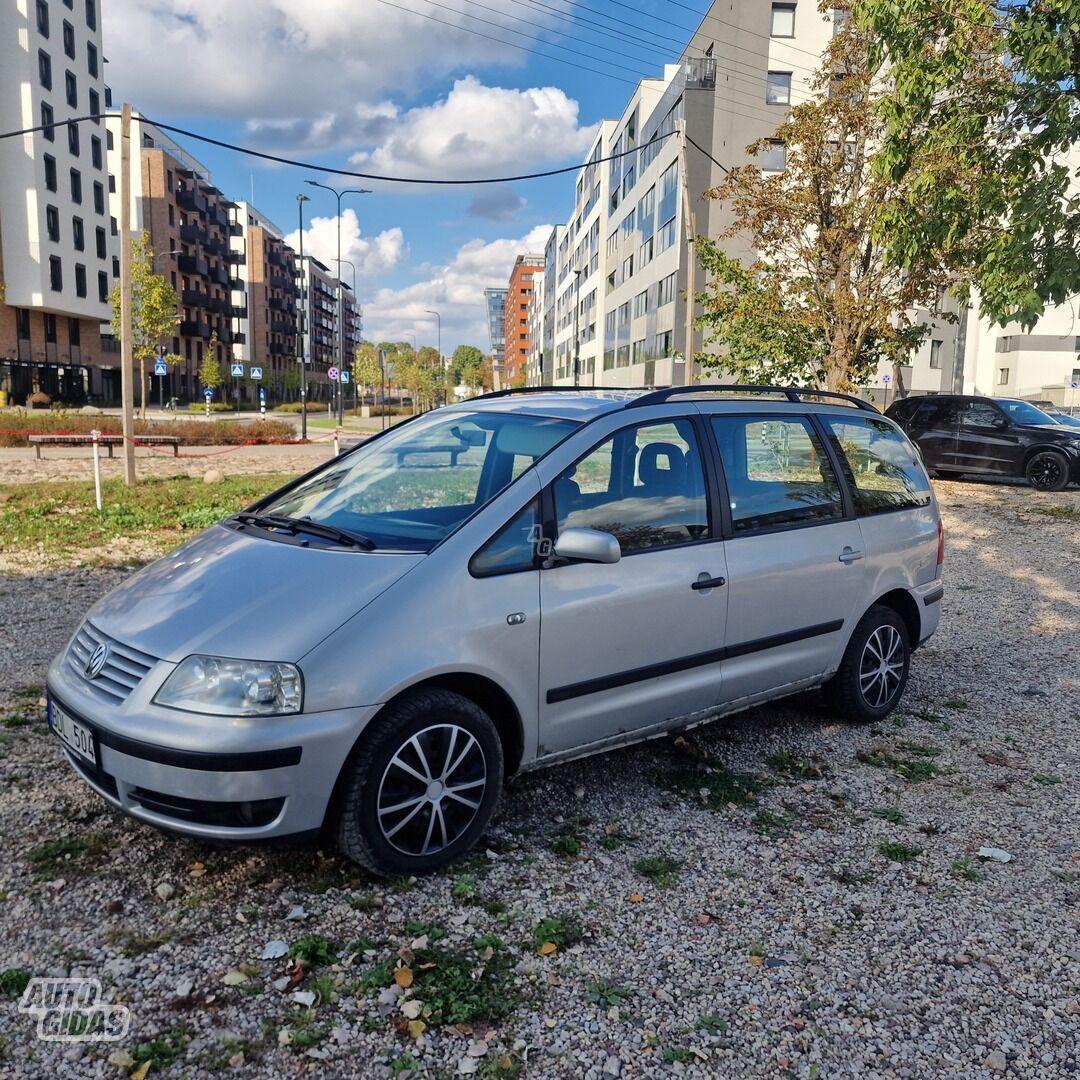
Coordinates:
x,y
15,720
679,1053
713,1025
896,851
715,786
160,512
71,855
604,993
1062,513
163,1051
561,930
913,769
13,981
465,889
131,943
614,838
965,867
794,766
1045,780
659,868
315,949
891,814
567,844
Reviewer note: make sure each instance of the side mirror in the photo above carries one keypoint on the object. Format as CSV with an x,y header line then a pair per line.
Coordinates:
x,y
588,545
1000,423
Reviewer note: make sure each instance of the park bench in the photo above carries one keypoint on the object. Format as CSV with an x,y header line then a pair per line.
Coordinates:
x,y
106,440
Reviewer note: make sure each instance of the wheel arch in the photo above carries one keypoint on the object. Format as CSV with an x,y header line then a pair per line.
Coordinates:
x,y
1042,448
903,603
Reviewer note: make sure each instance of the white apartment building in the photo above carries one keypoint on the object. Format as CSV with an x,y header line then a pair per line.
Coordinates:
x,y
56,245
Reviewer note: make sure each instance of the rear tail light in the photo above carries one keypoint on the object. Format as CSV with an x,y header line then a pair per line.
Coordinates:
x,y
940,542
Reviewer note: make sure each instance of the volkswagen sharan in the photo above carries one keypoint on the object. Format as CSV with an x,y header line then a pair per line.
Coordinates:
x,y
495,586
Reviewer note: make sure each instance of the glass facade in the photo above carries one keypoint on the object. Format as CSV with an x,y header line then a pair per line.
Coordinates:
x,y
496,307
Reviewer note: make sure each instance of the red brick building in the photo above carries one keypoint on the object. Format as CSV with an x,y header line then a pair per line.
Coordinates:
x,y
516,318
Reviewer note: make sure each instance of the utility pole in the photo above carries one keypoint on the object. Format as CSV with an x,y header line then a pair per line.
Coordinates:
x,y
300,200
127,372
960,352
691,257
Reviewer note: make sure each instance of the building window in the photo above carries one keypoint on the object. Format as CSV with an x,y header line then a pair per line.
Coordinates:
x,y
783,20
92,59
935,355
169,179
665,238
778,88
103,286
840,19
1006,344
99,237
76,186
47,122
172,213
116,267
80,279
641,304
112,191
71,89
628,268
44,66
50,172
56,274
73,139
95,151
99,197
95,106
69,40
112,226
77,234
773,156
49,322
74,332
91,14
1003,376
665,291
52,224
43,18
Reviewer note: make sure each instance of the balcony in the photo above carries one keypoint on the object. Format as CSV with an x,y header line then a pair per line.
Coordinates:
x,y
238,311
280,303
237,284
701,73
239,338
194,329
220,274
189,199
216,246
236,228
236,258
277,258
281,326
193,298
192,234
279,281
192,264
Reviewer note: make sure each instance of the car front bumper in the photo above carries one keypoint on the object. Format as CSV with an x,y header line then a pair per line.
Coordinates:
x,y
213,777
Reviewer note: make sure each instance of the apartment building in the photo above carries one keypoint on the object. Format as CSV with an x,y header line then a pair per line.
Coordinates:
x,y
534,367
352,321
197,240
495,301
319,298
516,337
56,246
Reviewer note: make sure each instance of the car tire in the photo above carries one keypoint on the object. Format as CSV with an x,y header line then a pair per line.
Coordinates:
x,y
1047,471
858,692
421,784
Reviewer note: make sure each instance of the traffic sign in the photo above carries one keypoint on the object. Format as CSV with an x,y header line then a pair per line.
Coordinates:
x,y
333,373
161,368
345,377
208,393
262,393
885,379
237,369
1075,385
256,372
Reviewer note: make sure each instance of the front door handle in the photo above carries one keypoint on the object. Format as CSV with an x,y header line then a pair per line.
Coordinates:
x,y
850,555
704,581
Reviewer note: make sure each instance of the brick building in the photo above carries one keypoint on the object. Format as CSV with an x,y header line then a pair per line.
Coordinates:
x,y
517,342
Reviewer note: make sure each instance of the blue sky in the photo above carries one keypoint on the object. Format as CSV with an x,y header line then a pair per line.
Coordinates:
x,y
377,86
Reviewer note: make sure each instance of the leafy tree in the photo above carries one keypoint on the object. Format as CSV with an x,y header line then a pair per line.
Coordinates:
x,y
210,374
472,373
822,303
290,377
464,356
984,111
367,368
154,309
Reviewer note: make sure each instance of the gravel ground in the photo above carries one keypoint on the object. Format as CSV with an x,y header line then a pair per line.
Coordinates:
x,y
785,944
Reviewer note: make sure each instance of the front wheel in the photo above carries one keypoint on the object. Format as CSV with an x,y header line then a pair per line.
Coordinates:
x,y
871,678
1048,471
421,785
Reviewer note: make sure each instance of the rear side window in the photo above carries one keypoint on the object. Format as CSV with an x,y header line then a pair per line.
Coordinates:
x,y
777,472
883,466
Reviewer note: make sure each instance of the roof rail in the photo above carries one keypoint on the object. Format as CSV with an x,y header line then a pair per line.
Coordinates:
x,y
791,393
558,390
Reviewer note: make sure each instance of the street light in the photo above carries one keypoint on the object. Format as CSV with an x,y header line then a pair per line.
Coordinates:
x,y
577,332
300,200
340,328
439,320
349,263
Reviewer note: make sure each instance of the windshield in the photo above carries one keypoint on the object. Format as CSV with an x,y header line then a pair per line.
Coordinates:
x,y
1066,420
1023,412
414,486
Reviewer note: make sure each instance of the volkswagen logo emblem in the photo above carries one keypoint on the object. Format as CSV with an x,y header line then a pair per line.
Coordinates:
x,y
96,661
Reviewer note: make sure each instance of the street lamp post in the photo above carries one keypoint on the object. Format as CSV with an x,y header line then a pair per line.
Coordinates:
x,y
161,348
352,266
577,333
300,200
340,312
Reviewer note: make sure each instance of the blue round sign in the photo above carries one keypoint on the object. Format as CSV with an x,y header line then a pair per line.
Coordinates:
x,y
208,393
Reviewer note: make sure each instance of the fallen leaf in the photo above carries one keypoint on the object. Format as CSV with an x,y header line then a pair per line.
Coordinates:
x,y
487,954
141,1071
412,1009
234,978
703,920
121,1059
272,950
611,828
549,948
196,869
505,1062
636,898
417,1028
403,976
757,961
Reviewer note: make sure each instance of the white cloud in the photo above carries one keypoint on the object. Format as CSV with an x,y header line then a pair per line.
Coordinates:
x,y
455,290
371,255
496,202
476,129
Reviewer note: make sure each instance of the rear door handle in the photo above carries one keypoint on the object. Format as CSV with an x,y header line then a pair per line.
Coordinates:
x,y
706,582
850,555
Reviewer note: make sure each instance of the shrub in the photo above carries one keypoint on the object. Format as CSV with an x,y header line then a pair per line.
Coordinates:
x,y
298,407
16,426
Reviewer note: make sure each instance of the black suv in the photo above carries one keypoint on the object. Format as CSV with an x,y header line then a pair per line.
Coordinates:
x,y
993,436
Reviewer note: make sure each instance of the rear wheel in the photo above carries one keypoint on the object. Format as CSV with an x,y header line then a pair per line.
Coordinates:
x,y
1048,471
871,678
422,784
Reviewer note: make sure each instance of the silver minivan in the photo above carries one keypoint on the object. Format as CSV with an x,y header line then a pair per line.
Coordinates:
x,y
495,586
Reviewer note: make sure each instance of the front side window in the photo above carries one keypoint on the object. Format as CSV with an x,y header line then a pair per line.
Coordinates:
x,y
644,485
513,548
778,474
882,465
412,488
1023,412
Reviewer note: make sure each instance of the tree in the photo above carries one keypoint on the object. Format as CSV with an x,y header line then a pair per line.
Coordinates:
x,y
472,373
210,370
985,108
290,377
154,313
822,303
367,368
465,356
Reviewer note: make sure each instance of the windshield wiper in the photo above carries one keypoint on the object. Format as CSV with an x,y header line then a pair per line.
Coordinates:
x,y
306,525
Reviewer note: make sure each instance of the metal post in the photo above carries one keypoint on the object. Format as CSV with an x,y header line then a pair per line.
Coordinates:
x,y
577,329
691,258
96,436
161,382
300,200
127,373
337,441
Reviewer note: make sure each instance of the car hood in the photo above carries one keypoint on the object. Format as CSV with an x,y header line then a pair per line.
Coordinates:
x,y
1059,430
230,594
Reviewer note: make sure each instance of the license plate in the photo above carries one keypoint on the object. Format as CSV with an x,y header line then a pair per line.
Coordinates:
x,y
75,736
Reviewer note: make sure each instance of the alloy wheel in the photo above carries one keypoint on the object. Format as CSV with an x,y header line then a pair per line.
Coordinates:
x,y
882,666
431,789
1045,471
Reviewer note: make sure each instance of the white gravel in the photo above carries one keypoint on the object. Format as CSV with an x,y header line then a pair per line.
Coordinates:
x,y
811,952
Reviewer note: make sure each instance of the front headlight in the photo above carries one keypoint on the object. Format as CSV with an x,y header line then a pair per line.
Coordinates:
x,y
224,687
